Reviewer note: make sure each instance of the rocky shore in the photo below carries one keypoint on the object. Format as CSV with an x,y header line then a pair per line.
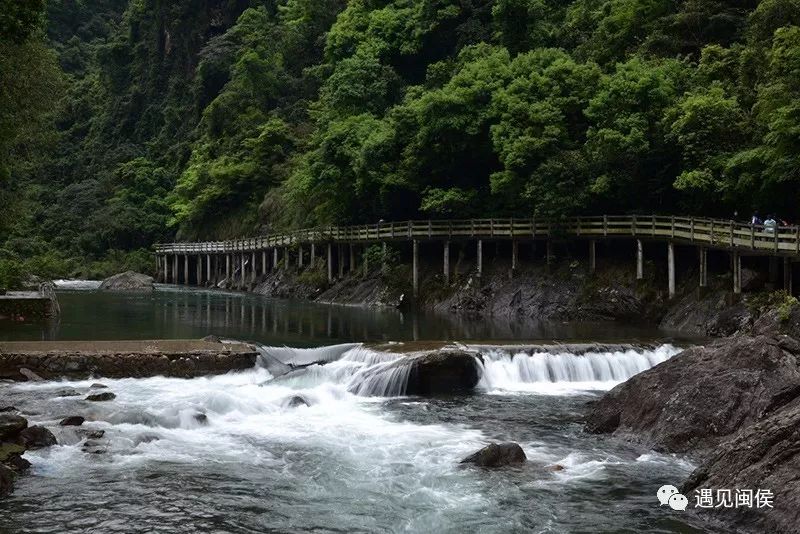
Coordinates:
x,y
16,437
733,406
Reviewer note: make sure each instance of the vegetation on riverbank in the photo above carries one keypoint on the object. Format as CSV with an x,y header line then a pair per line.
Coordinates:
x,y
131,121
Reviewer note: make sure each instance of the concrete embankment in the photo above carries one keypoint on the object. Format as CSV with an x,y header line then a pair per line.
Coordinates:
x,y
23,360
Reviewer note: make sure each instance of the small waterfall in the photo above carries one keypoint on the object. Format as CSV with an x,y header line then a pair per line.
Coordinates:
x,y
520,370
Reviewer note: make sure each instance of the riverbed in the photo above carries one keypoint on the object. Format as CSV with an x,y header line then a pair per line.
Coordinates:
x,y
237,453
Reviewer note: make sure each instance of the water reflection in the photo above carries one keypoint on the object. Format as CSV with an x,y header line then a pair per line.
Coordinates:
x,y
172,312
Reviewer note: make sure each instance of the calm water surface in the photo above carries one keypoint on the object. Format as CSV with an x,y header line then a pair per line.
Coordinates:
x,y
345,462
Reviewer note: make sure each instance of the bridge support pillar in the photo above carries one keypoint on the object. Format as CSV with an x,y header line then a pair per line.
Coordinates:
x,y
300,257
352,266
186,269
264,263
787,275
209,274
592,256
737,273
330,263
366,260
480,258
313,258
165,265
253,270
447,262
228,271
199,280
514,256
286,258
671,268
340,260
415,275
703,267
773,269
275,259
175,269
242,269
639,259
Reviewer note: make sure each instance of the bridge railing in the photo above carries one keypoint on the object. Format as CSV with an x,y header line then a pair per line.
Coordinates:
x,y
703,231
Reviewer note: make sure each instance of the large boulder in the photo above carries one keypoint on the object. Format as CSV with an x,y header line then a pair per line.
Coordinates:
x,y
694,400
7,477
497,455
765,455
445,371
36,437
128,281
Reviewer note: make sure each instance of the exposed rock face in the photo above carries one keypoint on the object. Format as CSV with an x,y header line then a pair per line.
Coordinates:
x,y
497,455
765,455
7,477
714,314
443,371
128,281
697,398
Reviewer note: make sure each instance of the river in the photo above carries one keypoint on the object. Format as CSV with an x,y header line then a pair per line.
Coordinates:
x,y
346,461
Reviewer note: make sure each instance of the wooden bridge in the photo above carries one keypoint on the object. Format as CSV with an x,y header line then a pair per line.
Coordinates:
x,y
240,261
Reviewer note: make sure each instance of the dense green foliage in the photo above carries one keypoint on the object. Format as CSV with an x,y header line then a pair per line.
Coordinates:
x,y
218,118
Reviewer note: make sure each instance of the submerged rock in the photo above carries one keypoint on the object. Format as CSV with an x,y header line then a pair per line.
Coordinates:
x,y
497,455
36,437
100,397
128,281
67,392
695,399
73,420
95,434
295,400
30,375
11,425
201,418
98,385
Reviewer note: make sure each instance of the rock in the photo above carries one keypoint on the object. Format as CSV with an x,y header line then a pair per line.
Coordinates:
x,y
212,339
295,400
36,437
555,467
761,456
100,397
73,420
497,455
95,434
128,281
201,418
30,375
17,463
4,409
67,392
10,450
7,477
443,371
11,425
691,402
711,314
98,385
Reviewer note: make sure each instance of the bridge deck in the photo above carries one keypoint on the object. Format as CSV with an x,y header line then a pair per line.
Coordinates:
x,y
714,233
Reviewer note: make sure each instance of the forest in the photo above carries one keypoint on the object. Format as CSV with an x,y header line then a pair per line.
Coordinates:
x,y
128,122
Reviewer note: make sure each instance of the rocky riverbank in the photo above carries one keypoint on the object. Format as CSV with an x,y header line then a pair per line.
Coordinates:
x,y
734,406
563,291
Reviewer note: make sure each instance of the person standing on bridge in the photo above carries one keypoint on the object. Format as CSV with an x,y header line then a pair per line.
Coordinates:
x,y
770,224
756,220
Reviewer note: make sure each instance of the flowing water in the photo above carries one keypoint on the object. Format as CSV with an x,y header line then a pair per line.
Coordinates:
x,y
332,448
